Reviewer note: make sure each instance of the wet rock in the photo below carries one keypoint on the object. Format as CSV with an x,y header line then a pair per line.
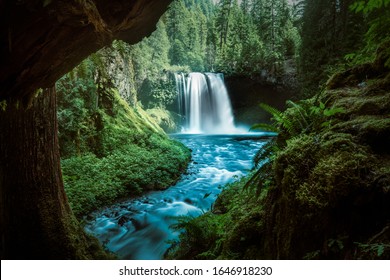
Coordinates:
x,y
122,220
168,200
188,201
139,222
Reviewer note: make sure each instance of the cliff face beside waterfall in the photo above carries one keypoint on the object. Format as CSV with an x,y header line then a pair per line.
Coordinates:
x,y
246,92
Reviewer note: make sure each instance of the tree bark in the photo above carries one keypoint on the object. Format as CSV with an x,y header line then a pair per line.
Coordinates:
x,y
36,220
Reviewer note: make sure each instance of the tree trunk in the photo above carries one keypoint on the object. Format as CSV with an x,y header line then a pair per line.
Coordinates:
x,y
36,220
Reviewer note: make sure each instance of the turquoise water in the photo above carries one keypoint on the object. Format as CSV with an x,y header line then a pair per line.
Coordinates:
x,y
140,228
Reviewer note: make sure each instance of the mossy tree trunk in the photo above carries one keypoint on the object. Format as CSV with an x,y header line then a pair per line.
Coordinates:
x,y
36,219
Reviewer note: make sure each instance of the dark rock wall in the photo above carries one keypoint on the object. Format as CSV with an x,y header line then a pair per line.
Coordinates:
x,y
246,94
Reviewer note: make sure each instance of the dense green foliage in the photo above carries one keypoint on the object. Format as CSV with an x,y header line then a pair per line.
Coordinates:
x,y
377,14
339,34
151,163
340,31
109,149
255,38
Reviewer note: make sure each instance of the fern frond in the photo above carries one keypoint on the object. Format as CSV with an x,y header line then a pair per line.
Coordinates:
x,y
288,126
264,153
333,111
264,126
182,222
256,182
277,116
292,104
272,110
262,161
302,121
300,109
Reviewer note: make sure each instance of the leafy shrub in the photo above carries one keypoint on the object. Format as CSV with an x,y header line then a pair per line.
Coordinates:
x,y
92,182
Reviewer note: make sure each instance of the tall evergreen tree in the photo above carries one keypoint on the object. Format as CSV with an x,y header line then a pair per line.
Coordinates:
x,y
339,30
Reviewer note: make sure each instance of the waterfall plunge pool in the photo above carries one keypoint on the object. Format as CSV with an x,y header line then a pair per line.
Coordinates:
x,y
139,228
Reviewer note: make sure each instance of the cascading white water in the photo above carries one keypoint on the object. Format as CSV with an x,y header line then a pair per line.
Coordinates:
x,y
204,102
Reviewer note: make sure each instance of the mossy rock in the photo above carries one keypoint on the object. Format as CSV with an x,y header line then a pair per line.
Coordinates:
x,y
351,77
331,184
168,121
354,76
244,235
372,130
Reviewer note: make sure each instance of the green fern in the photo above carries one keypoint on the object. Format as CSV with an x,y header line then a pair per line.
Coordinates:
x,y
333,111
263,162
367,6
299,118
301,122
375,250
292,126
272,110
321,117
264,126
266,153
182,222
277,117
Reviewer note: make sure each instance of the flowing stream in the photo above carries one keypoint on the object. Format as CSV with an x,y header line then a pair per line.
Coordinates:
x,y
140,228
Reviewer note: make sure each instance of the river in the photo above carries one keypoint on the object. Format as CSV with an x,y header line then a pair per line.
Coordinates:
x,y
140,228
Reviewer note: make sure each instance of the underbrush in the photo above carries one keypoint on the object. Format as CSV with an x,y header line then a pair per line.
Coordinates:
x,y
119,152
92,182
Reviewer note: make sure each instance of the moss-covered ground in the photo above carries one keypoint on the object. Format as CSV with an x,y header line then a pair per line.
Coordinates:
x,y
167,120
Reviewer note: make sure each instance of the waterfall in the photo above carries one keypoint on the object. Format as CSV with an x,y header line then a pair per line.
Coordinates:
x,y
204,103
